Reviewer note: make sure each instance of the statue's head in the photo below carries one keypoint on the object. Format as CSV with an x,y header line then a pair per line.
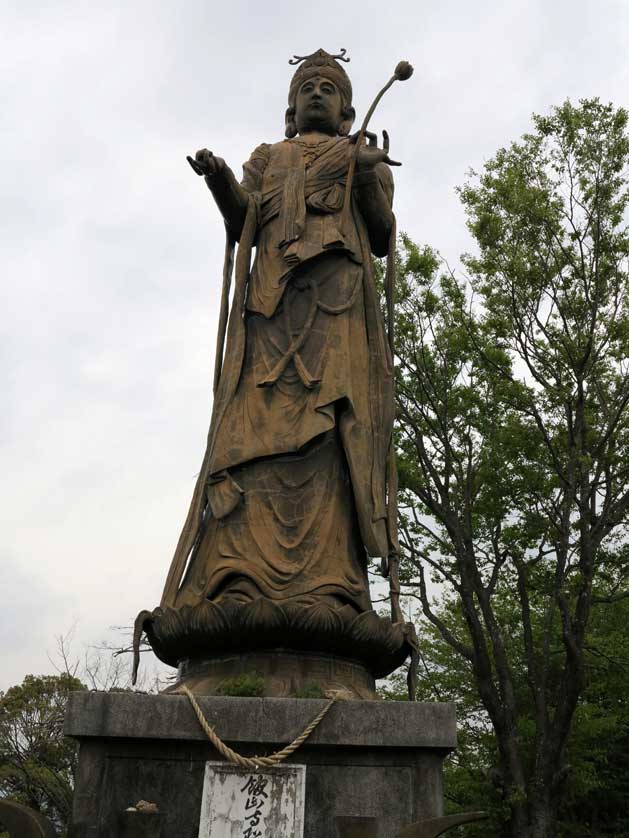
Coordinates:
x,y
320,96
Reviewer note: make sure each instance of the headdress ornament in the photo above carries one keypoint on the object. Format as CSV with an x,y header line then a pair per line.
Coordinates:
x,y
321,63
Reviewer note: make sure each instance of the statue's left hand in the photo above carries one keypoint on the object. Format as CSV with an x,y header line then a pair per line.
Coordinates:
x,y
369,155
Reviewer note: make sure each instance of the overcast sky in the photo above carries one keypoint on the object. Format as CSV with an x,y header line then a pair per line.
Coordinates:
x,y
111,249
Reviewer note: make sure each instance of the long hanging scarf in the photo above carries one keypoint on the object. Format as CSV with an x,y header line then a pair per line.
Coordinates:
x,y
228,266
293,211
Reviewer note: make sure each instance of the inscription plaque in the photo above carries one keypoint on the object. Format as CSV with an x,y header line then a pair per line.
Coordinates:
x,y
240,803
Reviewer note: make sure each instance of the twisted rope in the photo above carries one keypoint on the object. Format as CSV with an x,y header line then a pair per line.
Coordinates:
x,y
257,762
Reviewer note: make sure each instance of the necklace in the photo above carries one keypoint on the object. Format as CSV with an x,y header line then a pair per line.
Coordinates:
x,y
311,148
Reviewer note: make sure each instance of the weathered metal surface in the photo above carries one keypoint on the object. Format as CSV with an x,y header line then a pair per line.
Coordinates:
x,y
437,826
22,822
262,804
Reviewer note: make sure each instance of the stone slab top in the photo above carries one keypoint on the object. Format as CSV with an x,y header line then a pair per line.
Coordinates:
x,y
376,724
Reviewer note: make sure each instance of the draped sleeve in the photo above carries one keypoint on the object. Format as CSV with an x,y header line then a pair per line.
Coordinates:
x,y
254,168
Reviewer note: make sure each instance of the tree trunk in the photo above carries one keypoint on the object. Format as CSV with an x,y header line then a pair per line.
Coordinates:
x,y
535,819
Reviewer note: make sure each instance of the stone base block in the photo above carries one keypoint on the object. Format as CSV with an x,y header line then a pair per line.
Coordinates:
x,y
366,759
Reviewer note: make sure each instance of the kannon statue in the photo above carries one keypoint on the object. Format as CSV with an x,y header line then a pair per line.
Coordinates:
x,y
297,487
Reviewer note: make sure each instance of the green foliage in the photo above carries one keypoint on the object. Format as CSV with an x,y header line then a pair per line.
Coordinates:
x,y
37,763
597,785
242,685
513,442
468,771
312,689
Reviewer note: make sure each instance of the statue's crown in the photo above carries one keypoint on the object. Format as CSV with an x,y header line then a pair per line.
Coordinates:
x,y
320,58
321,63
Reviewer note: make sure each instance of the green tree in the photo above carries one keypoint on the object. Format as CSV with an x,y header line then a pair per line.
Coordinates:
x,y
597,783
444,676
37,763
513,394
597,786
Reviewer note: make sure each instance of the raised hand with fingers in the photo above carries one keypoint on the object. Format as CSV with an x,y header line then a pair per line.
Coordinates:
x,y
369,154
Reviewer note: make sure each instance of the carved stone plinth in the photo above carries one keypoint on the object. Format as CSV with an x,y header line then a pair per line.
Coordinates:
x,y
367,759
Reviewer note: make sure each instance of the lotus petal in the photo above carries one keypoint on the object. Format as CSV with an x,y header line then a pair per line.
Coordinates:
x,y
207,622
367,628
293,611
319,625
263,622
347,615
171,626
393,637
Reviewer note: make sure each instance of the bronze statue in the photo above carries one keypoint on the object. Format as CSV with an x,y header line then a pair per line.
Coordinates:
x,y
297,486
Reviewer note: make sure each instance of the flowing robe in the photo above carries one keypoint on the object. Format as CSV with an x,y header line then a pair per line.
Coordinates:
x,y
292,493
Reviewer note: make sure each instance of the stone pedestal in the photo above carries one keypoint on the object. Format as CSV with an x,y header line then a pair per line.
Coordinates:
x,y
284,673
367,759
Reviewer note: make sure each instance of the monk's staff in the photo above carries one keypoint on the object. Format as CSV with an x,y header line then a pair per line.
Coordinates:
x,y
391,564
391,567
402,72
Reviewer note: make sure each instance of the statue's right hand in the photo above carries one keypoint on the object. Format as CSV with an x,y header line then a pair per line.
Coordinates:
x,y
204,163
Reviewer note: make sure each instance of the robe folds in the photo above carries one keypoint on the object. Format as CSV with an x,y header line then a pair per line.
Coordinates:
x,y
292,493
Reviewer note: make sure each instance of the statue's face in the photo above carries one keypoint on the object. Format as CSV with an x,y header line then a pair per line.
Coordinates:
x,y
318,106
